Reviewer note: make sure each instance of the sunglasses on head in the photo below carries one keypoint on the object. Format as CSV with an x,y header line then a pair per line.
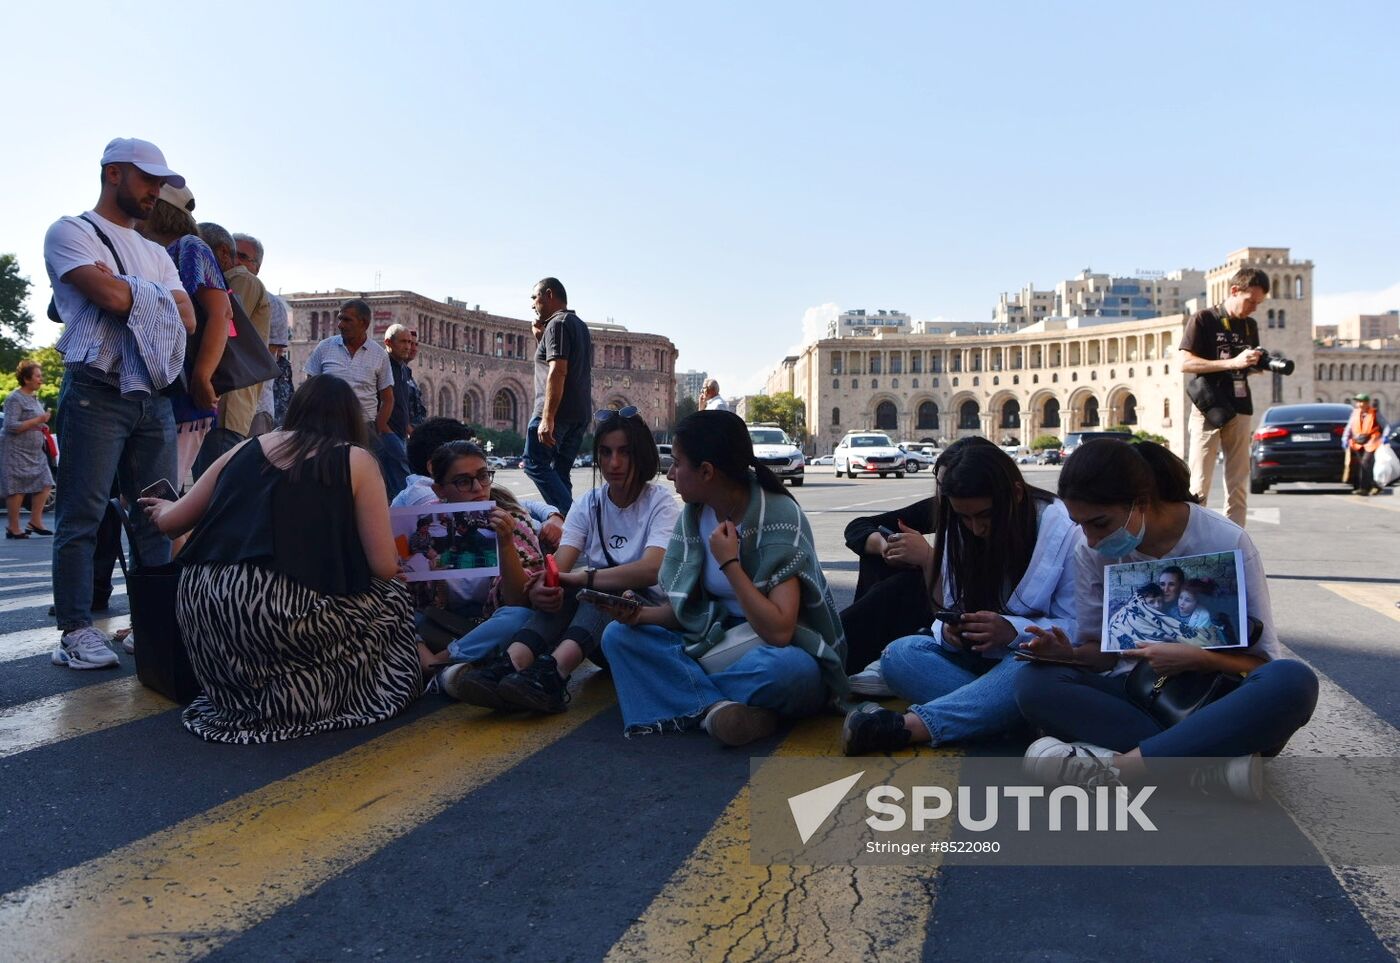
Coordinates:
x,y
603,414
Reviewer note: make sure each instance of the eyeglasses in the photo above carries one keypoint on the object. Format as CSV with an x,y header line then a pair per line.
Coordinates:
x,y
464,483
603,414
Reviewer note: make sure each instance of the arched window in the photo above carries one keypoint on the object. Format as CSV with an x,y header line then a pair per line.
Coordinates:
x,y
835,416
445,405
886,416
1011,414
503,410
1271,317
927,416
1129,410
1166,409
1287,291
468,415
969,416
1091,412
1281,318
1298,287
1051,417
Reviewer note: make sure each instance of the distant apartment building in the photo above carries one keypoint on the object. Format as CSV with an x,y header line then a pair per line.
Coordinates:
x,y
860,324
1369,327
689,383
1088,295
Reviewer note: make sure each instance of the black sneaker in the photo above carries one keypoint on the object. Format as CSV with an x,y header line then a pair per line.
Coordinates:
x,y
1241,777
477,686
876,731
537,687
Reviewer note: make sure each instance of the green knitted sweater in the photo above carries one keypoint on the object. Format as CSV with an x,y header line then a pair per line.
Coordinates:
x,y
775,545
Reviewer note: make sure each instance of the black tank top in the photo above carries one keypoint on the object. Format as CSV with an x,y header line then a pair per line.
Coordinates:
x,y
302,529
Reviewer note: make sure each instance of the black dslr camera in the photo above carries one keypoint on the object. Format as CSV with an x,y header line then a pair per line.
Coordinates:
x,y
1278,365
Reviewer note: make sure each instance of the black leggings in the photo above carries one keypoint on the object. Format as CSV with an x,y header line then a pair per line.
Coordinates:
x,y
894,607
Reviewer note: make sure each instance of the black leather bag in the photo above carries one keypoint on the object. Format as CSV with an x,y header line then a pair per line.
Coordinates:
x,y
1171,699
1213,396
162,664
245,361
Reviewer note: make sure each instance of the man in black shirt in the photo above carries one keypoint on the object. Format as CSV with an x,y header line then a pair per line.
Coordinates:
x,y
1221,345
563,393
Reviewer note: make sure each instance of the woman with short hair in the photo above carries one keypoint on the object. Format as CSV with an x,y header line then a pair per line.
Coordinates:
x,y
24,463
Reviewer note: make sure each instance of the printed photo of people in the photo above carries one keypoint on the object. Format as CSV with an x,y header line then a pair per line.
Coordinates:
x,y
445,540
1198,600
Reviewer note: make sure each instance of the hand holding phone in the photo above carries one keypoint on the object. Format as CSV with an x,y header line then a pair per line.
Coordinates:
x,y
551,572
618,603
161,489
948,616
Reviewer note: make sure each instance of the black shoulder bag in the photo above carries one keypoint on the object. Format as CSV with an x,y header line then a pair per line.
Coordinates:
x,y
1173,698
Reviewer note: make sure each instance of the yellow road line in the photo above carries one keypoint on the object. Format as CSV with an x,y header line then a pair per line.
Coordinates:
x,y
77,713
720,906
1378,597
183,892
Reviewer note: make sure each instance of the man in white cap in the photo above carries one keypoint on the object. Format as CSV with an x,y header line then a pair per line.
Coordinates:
x,y
107,434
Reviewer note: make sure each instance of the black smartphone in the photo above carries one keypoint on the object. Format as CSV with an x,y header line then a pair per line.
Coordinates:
x,y
886,532
161,489
948,615
604,600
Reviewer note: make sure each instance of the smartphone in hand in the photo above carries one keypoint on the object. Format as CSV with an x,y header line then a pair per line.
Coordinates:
x,y
604,600
161,489
948,616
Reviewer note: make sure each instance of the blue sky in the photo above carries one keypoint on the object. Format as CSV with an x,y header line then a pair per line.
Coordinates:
x,y
715,172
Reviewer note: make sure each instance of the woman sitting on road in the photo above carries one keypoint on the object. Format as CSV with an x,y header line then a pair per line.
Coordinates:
x,y
287,603
1134,503
740,574
618,531
1003,550
460,474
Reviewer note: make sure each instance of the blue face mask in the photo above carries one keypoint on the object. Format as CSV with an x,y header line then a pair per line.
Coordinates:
x,y
1122,542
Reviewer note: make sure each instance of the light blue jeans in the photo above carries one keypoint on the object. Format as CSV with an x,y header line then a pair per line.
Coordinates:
x,y
958,696
105,436
660,687
490,636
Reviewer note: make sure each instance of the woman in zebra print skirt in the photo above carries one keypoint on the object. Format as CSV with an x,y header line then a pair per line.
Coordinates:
x,y
288,604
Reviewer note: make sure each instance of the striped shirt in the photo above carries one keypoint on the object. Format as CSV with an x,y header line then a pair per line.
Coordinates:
x,y
141,356
368,372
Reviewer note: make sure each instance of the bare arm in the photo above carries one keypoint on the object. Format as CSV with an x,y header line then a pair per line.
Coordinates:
x,y
219,311
178,517
185,306
773,616
1192,364
372,514
101,287
634,575
554,387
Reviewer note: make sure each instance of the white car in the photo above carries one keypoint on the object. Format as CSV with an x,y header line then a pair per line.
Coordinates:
x,y
916,460
868,452
772,447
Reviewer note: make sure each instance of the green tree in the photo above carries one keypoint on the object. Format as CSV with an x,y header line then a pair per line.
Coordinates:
x,y
15,318
783,409
686,406
502,442
1045,441
51,361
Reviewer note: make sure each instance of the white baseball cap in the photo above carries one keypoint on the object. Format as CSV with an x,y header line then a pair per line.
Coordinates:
x,y
142,153
181,197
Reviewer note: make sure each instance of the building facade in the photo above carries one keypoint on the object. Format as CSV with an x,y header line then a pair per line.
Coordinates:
x,y
1089,295
689,383
1052,376
479,366
858,324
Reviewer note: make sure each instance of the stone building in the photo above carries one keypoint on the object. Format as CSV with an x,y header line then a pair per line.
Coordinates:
x,y
1052,376
1343,371
479,366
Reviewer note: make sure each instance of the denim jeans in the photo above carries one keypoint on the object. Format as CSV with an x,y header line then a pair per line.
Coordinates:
x,y
549,467
393,463
958,695
104,436
490,636
1273,702
660,687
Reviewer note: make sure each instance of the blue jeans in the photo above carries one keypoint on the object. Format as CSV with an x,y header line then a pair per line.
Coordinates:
x,y
104,436
660,687
958,695
490,636
393,463
1273,702
549,467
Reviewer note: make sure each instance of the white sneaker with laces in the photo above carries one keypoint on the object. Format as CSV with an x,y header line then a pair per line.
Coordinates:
x,y
85,648
1053,762
870,682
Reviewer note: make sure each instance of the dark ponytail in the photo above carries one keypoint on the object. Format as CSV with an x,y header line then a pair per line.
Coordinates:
x,y
1107,471
722,439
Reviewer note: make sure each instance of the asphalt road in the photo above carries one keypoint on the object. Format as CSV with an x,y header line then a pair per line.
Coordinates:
x,y
448,833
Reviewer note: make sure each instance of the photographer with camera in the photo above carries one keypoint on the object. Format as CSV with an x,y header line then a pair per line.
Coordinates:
x,y
1220,348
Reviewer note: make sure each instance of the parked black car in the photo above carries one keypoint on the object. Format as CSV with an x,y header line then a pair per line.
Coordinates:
x,y
1298,443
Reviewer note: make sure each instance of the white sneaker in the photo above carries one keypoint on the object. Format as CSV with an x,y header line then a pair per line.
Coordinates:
x,y
1241,777
85,648
1056,763
870,682
129,643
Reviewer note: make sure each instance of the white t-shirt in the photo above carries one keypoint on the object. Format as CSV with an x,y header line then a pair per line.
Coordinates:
x,y
716,582
716,404
72,243
630,531
1206,532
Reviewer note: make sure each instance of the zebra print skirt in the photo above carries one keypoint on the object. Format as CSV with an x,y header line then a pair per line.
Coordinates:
x,y
278,661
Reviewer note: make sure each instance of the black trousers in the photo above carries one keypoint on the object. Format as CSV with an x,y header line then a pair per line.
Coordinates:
x,y
896,606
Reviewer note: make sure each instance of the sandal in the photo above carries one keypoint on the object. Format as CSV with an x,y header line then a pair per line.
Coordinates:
x,y
37,530
10,534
